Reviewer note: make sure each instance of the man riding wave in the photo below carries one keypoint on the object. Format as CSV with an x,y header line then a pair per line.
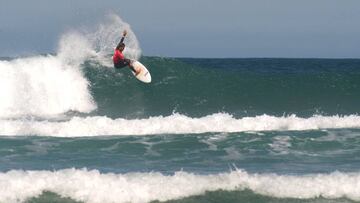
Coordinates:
x,y
118,58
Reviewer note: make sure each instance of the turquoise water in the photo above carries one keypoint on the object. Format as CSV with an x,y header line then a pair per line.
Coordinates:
x,y
204,130
284,152
242,87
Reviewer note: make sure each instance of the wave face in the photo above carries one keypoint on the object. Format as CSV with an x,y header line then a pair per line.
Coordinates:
x,y
241,87
48,85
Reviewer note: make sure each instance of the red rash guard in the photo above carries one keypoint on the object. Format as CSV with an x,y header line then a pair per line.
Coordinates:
x,y
118,56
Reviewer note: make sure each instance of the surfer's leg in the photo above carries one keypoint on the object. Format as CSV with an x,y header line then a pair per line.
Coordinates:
x,y
133,69
117,66
120,65
129,63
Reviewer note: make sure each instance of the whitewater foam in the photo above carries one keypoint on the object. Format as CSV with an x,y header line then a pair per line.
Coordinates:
x,y
95,187
42,86
174,124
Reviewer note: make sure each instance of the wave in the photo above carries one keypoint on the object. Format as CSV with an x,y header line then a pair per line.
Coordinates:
x,y
50,85
174,124
79,80
91,186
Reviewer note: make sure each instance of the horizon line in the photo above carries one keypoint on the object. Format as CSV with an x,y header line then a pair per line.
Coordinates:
x,y
202,57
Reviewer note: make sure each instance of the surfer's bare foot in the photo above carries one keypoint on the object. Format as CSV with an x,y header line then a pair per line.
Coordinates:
x,y
135,70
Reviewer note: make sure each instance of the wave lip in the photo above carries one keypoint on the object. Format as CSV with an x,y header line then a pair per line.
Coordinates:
x,y
93,186
174,124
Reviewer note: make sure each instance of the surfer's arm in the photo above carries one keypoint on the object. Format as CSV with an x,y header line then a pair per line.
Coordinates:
x,y
122,40
123,37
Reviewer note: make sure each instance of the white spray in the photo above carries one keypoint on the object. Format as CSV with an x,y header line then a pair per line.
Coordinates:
x,y
108,34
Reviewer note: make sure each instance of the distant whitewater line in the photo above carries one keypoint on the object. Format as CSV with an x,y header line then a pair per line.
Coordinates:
x,y
95,187
174,124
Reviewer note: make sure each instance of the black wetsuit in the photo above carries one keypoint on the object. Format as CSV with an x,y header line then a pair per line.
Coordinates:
x,y
122,63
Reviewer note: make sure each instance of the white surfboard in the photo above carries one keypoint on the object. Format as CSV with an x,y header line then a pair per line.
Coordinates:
x,y
144,74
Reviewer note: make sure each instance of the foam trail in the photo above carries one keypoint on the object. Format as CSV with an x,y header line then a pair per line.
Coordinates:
x,y
174,124
95,187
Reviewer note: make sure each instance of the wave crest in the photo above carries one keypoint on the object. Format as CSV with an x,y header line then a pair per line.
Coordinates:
x,y
81,185
174,124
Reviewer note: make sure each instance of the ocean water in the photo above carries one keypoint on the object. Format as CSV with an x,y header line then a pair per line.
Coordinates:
x,y
73,129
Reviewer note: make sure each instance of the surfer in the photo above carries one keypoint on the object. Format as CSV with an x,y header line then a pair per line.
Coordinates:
x,y
118,58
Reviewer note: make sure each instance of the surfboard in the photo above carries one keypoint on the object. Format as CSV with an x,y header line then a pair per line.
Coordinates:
x,y
144,75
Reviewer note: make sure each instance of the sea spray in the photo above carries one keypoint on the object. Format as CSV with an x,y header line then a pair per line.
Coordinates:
x,y
106,36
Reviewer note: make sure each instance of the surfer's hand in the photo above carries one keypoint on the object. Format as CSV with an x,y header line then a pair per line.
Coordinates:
x,y
124,33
